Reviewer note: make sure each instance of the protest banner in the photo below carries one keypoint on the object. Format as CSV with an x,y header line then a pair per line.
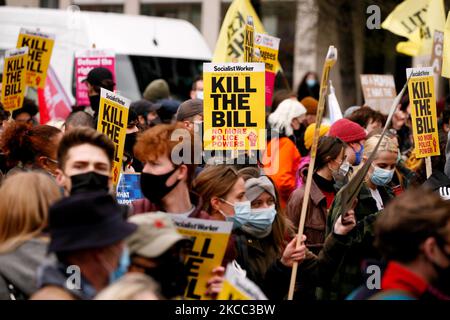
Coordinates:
x,y
249,40
416,20
379,91
436,55
230,43
54,103
446,53
268,47
14,78
436,58
112,121
423,111
234,106
237,286
210,242
129,188
329,62
85,61
40,46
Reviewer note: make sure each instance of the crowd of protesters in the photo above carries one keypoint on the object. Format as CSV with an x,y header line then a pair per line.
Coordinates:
x,y
59,214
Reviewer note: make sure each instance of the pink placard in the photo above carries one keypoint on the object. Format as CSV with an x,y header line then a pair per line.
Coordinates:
x,y
270,82
84,63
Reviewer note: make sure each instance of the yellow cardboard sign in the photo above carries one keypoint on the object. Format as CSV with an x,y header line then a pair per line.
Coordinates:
x,y
112,121
14,78
423,111
268,50
249,40
210,242
234,106
40,46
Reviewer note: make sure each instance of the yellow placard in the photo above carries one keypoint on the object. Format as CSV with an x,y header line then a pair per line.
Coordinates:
x,y
210,243
268,50
112,121
14,78
40,46
234,106
249,40
423,111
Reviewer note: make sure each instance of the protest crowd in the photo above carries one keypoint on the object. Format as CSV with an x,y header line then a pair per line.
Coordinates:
x,y
164,199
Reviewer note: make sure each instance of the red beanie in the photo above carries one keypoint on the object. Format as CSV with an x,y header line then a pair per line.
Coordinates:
x,y
348,131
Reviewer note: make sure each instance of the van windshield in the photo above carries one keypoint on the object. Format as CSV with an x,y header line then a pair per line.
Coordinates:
x,y
179,73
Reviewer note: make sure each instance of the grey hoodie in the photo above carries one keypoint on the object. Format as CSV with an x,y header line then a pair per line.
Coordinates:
x,y
19,267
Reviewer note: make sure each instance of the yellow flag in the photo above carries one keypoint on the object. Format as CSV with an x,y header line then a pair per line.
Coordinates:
x,y
446,54
416,20
230,44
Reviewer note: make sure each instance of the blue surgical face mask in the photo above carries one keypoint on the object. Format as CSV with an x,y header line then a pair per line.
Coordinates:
x,y
241,209
381,177
359,155
260,219
122,267
311,82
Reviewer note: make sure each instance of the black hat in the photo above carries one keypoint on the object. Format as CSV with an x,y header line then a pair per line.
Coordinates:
x,y
143,107
97,75
87,221
28,106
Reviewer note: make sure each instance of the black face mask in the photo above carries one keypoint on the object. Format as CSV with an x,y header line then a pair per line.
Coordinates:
x,y
130,140
88,182
172,276
154,187
94,101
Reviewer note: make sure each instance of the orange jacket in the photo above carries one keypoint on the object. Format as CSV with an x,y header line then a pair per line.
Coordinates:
x,y
281,164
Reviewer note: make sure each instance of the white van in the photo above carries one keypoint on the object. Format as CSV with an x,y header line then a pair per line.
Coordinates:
x,y
146,47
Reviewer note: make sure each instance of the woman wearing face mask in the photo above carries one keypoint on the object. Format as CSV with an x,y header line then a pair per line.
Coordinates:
x,y
261,233
331,166
309,87
281,159
371,200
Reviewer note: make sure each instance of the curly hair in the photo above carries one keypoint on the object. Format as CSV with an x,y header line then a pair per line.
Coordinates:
x,y
23,144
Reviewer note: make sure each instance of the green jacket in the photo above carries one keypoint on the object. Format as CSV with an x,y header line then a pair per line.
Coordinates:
x,y
349,275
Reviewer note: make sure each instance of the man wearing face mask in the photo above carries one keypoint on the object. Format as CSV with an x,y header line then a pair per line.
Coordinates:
x,y
98,78
87,235
130,164
190,112
197,88
85,160
158,250
353,135
168,171
413,235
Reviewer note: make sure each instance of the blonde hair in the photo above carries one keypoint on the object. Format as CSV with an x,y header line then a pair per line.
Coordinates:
x,y
26,198
131,287
387,144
